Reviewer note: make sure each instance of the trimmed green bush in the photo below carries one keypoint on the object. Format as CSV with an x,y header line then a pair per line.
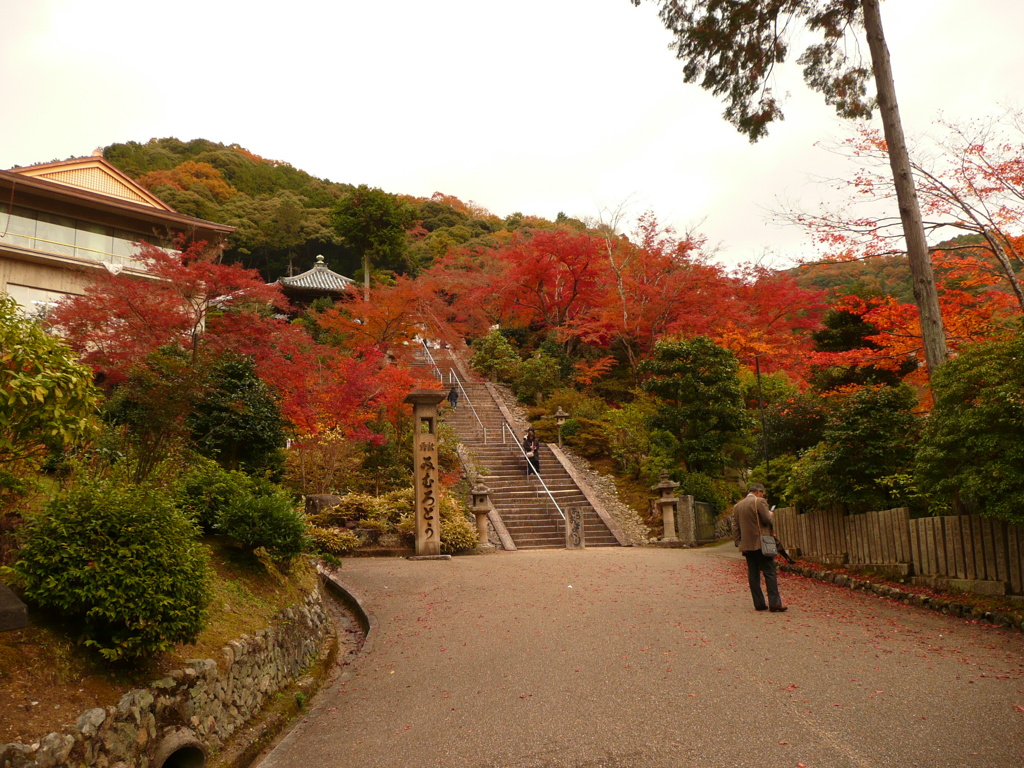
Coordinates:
x,y
714,491
334,541
207,488
268,521
122,562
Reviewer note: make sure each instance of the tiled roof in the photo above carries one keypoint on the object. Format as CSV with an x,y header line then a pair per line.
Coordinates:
x,y
319,278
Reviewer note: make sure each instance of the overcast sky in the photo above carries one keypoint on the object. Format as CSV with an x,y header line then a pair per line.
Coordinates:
x,y
536,106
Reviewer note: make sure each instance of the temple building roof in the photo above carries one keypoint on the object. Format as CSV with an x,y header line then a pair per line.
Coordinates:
x,y
320,280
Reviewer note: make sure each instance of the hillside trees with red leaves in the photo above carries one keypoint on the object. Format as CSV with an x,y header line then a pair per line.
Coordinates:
x,y
767,316
550,278
191,301
973,304
659,284
392,318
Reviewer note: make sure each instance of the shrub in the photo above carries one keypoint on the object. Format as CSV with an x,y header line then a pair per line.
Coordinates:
x,y
588,437
334,541
123,562
457,533
577,404
353,506
714,491
207,488
392,506
270,521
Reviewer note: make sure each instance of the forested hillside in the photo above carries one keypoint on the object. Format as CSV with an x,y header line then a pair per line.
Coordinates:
x,y
285,217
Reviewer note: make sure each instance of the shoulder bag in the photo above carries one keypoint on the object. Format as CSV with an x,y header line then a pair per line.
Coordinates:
x,y
768,547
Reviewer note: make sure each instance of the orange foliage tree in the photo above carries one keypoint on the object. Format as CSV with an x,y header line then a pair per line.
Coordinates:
x,y
974,305
768,316
189,174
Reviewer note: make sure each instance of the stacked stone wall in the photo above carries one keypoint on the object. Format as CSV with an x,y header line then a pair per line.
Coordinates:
x,y
201,704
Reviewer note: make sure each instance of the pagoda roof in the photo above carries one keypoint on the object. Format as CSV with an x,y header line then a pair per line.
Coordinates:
x,y
319,279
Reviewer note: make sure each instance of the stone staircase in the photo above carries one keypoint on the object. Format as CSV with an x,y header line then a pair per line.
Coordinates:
x,y
521,501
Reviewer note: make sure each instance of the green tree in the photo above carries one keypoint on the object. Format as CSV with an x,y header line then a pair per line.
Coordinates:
x,y
731,48
841,331
869,439
494,356
374,224
236,419
150,409
971,452
536,377
47,398
701,399
629,433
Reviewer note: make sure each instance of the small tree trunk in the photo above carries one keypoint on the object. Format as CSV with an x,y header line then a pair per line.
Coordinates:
x,y
932,330
366,276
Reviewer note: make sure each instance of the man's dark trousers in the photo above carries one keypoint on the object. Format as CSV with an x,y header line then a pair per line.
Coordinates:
x,y
756,565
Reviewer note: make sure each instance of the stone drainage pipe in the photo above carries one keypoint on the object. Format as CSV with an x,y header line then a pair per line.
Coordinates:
x,y
180,749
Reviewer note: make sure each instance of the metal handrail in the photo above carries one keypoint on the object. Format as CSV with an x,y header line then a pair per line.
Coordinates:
x,y
430,357
544,485
454,379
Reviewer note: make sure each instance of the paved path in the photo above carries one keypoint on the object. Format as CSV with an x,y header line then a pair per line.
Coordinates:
x,y
654,658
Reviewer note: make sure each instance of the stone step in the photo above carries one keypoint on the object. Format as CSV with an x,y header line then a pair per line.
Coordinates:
x,y
524,505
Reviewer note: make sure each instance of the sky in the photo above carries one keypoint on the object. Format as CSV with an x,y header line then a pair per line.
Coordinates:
x,y
537,106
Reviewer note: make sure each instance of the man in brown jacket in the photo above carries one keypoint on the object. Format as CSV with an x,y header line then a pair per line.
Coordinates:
x,y
751,518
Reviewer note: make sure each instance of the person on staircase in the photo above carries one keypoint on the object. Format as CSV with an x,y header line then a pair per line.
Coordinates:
x,y
531,446
453,398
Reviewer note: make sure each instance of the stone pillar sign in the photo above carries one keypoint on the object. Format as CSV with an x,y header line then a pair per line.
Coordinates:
x,y
575,537
424,453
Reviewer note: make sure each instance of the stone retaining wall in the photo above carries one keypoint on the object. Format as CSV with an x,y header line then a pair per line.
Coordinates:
x,y
202,704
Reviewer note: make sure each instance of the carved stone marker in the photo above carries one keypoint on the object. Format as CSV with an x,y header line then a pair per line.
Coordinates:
x,y
424,453
318,502
13,614
575,536
686,523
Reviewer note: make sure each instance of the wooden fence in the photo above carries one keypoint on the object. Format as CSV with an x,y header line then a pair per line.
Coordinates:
x,y
968,547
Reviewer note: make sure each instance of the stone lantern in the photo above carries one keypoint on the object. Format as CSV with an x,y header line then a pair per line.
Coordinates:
x,y
667,501
481,506
560,418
